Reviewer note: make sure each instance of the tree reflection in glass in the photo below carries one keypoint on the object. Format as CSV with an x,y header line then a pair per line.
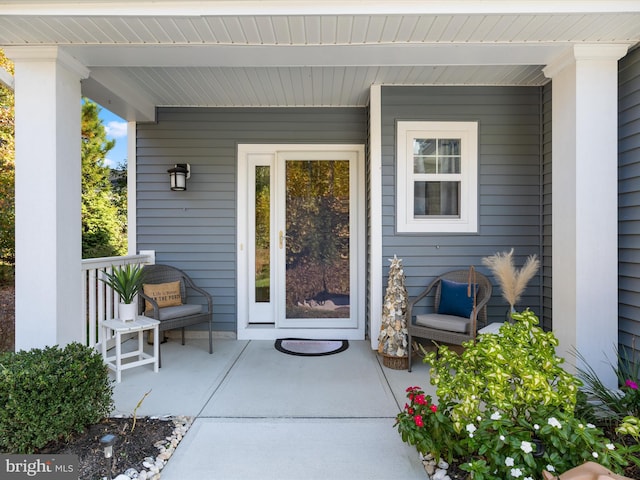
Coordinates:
x,y
317,243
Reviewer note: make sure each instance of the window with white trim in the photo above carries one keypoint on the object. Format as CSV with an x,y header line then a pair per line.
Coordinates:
x,y
437,177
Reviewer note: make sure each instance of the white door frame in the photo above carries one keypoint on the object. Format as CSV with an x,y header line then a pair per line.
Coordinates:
x,y
248,154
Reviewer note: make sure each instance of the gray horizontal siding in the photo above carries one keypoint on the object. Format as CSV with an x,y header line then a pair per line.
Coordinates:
x,y
196,230
509,176
629,203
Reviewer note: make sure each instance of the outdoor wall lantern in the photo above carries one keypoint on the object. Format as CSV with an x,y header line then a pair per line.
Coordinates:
x,y
178,176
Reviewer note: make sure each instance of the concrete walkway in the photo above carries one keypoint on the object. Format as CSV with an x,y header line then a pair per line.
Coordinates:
x,y
262,414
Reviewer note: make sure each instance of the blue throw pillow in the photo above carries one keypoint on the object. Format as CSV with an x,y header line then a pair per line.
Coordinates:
x,y
454,299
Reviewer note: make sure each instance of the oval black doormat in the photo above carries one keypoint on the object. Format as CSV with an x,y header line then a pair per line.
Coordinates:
x,y
310,348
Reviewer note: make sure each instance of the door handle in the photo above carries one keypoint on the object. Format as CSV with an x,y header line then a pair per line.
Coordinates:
x,y
281,238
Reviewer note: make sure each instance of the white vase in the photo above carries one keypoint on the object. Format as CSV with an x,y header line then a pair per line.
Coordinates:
x,y
127,311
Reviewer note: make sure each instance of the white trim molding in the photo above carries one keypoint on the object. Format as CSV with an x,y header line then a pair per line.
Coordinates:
x,y
132,190
466,221
269,154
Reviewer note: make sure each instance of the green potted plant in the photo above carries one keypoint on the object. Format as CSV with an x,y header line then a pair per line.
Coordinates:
x,y
126,281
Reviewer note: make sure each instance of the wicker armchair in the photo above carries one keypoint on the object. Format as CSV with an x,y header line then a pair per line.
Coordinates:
x,y
447,328
180,316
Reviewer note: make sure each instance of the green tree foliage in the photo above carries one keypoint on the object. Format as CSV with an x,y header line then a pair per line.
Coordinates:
x,y
7,169
104,200
103,208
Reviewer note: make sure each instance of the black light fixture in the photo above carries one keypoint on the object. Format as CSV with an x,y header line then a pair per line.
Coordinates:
x,y
178,176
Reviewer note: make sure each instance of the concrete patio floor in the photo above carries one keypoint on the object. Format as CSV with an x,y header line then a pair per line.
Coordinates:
x,y
262,414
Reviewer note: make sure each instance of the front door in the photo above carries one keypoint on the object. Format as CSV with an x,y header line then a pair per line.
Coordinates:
x,y
303,256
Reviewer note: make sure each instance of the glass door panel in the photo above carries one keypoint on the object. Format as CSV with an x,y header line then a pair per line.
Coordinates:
x,y
260,245
262,239
317,233
317,255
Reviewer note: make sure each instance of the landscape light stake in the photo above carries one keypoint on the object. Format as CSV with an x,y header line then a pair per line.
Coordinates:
x,y
107,444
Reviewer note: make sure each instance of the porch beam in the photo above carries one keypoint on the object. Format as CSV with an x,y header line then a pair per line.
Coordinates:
x,y
118,94
47,197
585,216
279,55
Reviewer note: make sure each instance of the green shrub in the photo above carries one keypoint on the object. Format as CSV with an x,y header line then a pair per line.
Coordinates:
x,y
516,372
48,394
506,409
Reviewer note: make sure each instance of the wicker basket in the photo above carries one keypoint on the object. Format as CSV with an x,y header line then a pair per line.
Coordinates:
x,y
396,363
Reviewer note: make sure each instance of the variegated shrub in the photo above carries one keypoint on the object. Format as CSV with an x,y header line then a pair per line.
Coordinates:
x,y
515,371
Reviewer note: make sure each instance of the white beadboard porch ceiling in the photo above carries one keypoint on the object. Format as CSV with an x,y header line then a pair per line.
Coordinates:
x,y
144,54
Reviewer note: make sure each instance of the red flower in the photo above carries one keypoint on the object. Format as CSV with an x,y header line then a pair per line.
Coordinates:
x,y
420,400
631,384
433,408
408,409
418,420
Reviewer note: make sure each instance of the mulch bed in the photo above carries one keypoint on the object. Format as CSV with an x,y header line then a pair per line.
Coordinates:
x,y
129,451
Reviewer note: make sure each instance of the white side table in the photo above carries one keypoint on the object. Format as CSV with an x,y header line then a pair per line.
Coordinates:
x,y
492,328
140,325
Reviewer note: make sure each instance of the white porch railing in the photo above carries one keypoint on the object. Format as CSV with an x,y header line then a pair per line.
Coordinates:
x,y
100,301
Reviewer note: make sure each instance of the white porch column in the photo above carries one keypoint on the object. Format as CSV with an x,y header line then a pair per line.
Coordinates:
x,y
585,199
48,194
375,230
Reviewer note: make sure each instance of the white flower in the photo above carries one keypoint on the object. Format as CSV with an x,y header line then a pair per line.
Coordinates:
x,y
580,425
610,446
508,462
595,454
479,418
553,421
536,427
502,437
591,425
496,416
527,478
550,468
526,447
471,428
516,472
471,435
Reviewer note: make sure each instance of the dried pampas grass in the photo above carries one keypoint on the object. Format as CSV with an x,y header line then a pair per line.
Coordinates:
x,y
512,281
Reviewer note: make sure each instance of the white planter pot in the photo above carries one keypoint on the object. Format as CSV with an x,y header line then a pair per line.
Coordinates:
x,y
127,312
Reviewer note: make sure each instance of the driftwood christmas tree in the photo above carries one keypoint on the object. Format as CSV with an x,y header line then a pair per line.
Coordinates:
x,y
392,340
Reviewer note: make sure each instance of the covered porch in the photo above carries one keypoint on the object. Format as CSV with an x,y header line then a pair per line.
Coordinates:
x,y
259,413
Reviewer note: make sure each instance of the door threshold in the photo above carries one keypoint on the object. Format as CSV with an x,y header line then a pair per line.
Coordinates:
x,y
270,332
